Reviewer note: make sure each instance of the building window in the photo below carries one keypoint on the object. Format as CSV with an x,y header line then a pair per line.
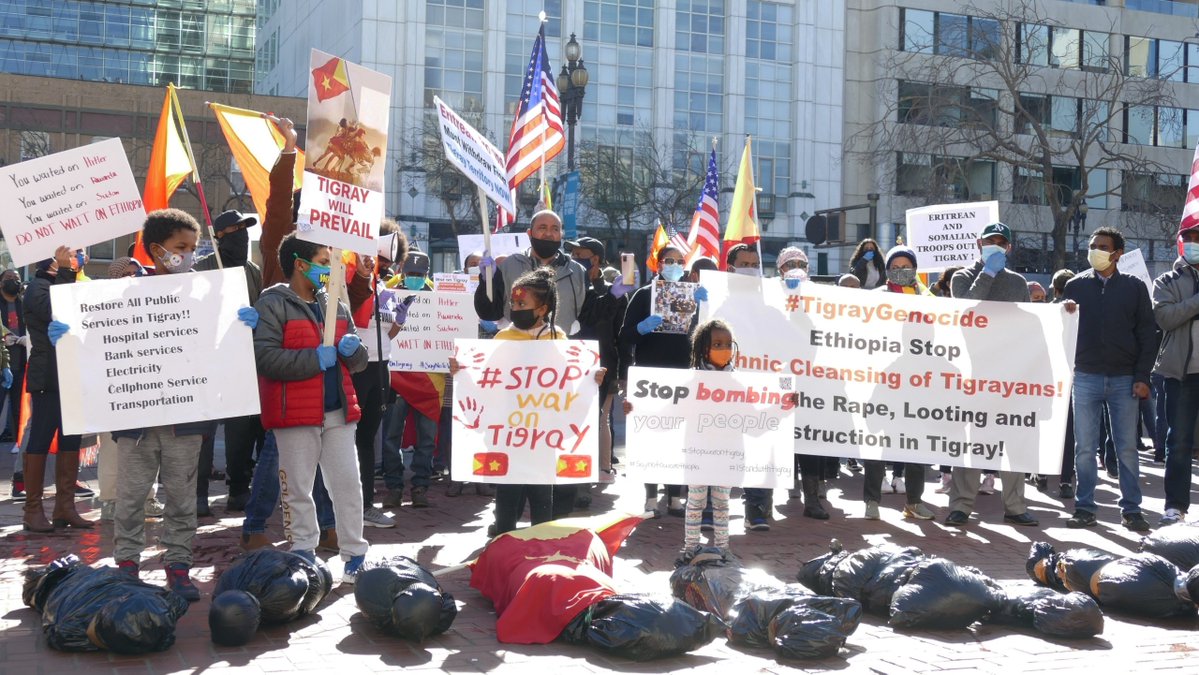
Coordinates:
x,y
1061,47
1163,59
1153,193
939,177
522,27
1160,126
699,26
454,54
768,31
934,105
1028,186
946,34
619,22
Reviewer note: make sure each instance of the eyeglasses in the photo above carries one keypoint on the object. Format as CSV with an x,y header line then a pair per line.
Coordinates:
x,y
794,265
672,261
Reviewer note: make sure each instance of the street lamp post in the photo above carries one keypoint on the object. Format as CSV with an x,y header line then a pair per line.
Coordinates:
x,y
1078,223
572,86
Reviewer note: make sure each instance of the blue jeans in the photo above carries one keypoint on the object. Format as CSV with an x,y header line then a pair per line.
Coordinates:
x,y
1182,404
393,443
264,492
1091,392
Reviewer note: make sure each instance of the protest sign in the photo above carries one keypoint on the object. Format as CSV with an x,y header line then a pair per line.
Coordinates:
x,y
375,336
696,427
72,198
945,235
674,301
1132,263
501,245
154,351
435,319
909,378
525,411
455,282
348,110
475,156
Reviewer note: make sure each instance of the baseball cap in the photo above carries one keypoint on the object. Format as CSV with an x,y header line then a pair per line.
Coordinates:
x,y
416,264
230,219
996,229
590,243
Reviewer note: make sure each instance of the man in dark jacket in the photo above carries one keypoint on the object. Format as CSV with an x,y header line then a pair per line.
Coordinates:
x,y
1116,345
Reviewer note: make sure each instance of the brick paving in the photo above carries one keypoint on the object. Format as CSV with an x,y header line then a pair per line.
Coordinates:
x,y
339,638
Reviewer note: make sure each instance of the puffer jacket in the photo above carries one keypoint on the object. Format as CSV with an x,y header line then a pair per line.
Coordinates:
x,y
41,373
1175,306
568,274
291,384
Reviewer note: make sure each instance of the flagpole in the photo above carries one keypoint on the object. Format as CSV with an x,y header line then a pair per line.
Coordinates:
x,y
486,241
187,145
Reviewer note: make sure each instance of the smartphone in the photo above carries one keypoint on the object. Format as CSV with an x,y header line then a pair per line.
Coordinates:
x,y
628,268
408,300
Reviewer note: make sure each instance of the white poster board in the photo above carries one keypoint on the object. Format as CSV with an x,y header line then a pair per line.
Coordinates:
x,y
341,204
946,235
74,198
526,412
426,339
455,282
909,378
152,351
1133,263
695,427
501,245
475,156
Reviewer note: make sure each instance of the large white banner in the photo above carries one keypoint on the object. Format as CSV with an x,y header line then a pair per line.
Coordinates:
x,y
526,412
426,338
72,198
151,351
348,111
695,427
945,235
909,378
475,156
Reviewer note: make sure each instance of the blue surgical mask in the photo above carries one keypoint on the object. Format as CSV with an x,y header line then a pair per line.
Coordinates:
x,y
990,250
672,272
868,255
585,263
1190,252
414,283
317,274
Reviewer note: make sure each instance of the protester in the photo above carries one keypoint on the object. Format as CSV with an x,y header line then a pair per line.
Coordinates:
x,y
941,288
866,264
316,427
989,279
1116,346
545,242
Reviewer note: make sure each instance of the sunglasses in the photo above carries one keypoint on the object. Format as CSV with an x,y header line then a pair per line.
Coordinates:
x,y
672,261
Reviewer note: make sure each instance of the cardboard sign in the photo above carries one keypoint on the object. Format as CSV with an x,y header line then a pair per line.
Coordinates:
x,y
946,235
1133,263
349,106
526,411
697,427
909,378
72,198
501,245
426,339
152,351
475,156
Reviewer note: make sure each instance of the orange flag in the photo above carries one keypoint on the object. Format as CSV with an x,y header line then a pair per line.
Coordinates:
x,y
660,241
255,144
743,219
169,165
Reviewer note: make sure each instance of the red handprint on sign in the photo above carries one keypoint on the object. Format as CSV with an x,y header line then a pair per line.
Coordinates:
x,y
577,355
469,407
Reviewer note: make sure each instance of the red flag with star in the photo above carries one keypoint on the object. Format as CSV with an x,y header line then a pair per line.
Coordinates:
x,y
490,464
331,79
574,466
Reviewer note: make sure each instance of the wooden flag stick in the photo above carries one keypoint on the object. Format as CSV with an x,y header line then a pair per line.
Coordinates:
x,y
333,290
486,242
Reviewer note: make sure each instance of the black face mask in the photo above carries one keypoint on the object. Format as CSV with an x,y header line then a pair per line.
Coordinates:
x,y
524,319
544,248
11,287
234,248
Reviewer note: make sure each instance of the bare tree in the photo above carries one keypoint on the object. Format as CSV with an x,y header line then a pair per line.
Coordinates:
x,y
980,92
426,168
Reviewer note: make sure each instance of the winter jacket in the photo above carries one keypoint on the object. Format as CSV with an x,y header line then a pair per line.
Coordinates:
x,y
1116,331
290,380
859,270
1175,306
659,350
973,283
600,320
569,275
42,371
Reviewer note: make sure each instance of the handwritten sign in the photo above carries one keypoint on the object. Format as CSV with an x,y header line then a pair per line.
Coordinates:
x,y
455,282
525,411
1132,263
501,245
150,351
426,339
945,235
475,156
72,198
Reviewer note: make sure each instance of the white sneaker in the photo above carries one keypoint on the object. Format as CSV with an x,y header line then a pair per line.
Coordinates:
x,y
988,485
872,511
373,517
154,508
946,479
897,486
1172,516
651,506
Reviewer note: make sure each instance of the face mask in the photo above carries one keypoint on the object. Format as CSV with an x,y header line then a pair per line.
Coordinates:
x,y
585,263
473,271
672,272
748,271
1100,260
11,286
175,263
234,247
545,248
317,274
902,276
868,255
524,319
990,250
1190,252
720,357
414,283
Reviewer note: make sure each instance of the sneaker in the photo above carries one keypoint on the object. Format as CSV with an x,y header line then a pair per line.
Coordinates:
x,y
759,524
872,511
237,502
853,465
897,486
154,508
988,485
1022,519
420,498
1172,516
756,516
918,511
203,510
794,493
957,519
179,582
128,568
454,489
1135,522
946,479
1082,519
583,500
1113,471
18,487
373,517
492,530
1065,491
82,491
107,508
1042,482
651,506
307,554
353,565
706,524
608,476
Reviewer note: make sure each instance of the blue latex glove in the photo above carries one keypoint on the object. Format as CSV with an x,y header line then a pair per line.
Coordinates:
x,y
489,326
7,373
56,330
619,288
401,312
348,344
327,356
701,294
868,255
649,323
248,316
995,264
792,284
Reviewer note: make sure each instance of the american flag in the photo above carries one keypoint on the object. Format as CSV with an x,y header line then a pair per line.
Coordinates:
x,y
1190,209
704,237
677,240
537,135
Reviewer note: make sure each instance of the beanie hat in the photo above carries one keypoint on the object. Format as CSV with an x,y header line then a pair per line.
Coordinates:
x,y
790,254
119,267
901,251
